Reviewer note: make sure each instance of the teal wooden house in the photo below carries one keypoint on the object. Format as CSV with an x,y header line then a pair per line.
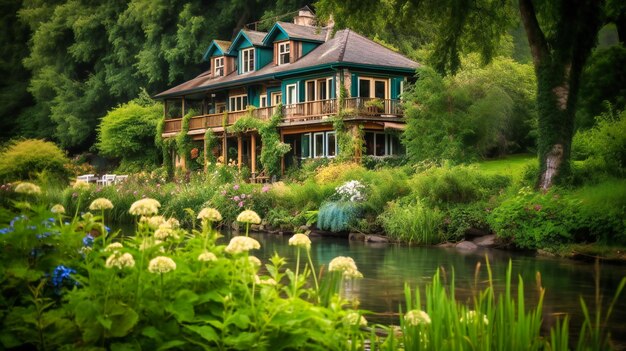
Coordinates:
x,y
301,68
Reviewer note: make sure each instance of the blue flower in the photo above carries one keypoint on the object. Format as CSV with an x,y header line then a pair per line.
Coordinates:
x,y
88,240
107,229
60,274
17,219
6,230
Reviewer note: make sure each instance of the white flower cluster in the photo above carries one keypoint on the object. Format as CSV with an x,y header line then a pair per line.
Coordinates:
x,y
268,281
80,185
300,240
351,191
240,244
112,247
120,261
354,318
165,232
58,209
416,317
249,216
101,204
161,264
345,265
207,256
210,214
145,207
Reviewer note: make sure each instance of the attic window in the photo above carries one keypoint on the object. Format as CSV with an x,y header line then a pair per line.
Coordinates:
x,y
283,53
219,67
247,60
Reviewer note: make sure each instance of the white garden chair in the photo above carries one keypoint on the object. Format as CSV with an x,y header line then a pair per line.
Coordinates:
x,y
107,179
87,178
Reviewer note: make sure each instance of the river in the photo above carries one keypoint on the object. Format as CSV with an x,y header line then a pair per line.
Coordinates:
x,y
387,267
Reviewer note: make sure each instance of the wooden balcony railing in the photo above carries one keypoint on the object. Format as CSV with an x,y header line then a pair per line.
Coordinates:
x,y
305,111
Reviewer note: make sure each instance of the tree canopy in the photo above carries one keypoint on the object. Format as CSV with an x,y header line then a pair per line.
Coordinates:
x,y
84,58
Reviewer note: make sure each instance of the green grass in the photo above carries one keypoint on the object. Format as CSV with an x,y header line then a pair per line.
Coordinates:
x,y
513,165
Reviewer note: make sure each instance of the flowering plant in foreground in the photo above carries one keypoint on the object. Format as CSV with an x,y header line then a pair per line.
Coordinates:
x,y
352,191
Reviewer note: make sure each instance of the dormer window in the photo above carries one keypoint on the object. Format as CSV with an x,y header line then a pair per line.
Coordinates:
x,y
283,53
247,60
219,67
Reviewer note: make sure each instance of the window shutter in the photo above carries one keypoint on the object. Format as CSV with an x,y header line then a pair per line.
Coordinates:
x,y
275,54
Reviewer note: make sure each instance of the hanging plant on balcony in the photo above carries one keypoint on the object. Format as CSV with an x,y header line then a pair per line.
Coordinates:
x,y
375,104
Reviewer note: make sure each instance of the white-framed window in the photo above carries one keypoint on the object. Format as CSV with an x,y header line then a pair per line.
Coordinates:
x,y
373,88
331,144
238,103
219,67
305,145
292,94
263,101
276,98
283,53
318,145
247,60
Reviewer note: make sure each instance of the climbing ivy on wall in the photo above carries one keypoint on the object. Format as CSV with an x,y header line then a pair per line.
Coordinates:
x,y
166,146
350,143
183,140
210,141
272,148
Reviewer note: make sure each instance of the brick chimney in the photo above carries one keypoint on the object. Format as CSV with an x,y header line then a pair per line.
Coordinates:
x,y
305,17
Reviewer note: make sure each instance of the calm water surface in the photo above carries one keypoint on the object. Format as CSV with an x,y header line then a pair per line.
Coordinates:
x,y
386,268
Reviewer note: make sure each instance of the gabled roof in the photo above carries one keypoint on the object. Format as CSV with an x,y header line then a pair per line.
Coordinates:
x,y
295,32
217,46
251,36
346,49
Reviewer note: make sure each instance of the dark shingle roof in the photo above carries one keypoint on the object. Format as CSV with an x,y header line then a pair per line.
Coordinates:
x,y
255,37
346,47
295,31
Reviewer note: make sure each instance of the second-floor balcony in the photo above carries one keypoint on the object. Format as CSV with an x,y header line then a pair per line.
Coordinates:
x,y
305,112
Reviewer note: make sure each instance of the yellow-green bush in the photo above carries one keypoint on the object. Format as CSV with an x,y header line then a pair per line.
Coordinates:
x,y
24,159
336,172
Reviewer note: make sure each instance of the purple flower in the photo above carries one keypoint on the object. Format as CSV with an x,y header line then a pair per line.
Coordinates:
x,y
236,198
265,188
135,192
243,196
223,192
236,187
241,204
537,207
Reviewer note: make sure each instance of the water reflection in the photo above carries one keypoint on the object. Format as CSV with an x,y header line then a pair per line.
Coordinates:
x,y
387,267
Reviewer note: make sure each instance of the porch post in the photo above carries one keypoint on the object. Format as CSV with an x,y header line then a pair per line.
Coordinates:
x,y
224,152
253,153
239,151
183,103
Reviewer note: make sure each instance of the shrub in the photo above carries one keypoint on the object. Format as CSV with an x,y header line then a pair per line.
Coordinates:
x,y
127,133
413,223
336,171
337,216
460,219
23,159
459,184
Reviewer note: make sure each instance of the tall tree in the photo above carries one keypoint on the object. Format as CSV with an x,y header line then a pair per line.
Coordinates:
x,y
561,36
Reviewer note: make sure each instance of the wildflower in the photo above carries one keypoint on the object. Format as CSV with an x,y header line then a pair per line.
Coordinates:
x,y
249,216
173,223
58,209
100,204
268,281
161,264
351,191
207,257
416,317
255,261
354,318
345,265
240,204
265,189
236,198
118,261
163,233
236,186
80,185
300,240
145,207
27,188
87,216
154,222
210,214
474,317
240,244
113,247
60,274
88,240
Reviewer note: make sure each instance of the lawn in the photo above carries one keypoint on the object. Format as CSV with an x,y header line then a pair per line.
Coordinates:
x,y
513,165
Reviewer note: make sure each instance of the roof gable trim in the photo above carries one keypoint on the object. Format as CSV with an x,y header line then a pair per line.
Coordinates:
x,y
212,48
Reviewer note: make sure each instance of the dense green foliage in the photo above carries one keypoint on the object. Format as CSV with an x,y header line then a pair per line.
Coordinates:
x,y
127,133
481,112
23,159
413,223
337,216
82,59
